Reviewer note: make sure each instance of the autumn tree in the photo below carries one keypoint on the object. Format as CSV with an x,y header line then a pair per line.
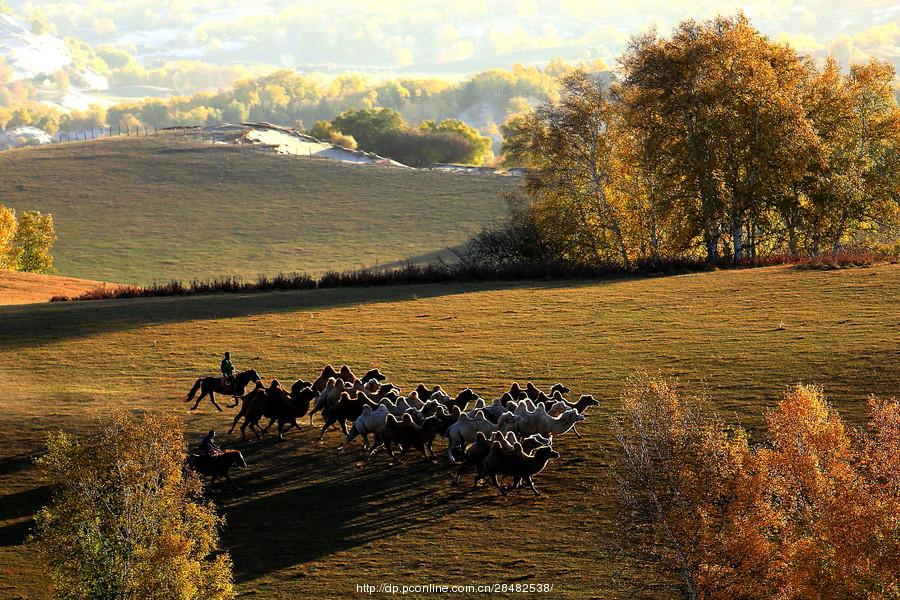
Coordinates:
x,y
9,259
34,240
480,146
571,144
835,498
126,519
689,481
855,184
730,105
809,513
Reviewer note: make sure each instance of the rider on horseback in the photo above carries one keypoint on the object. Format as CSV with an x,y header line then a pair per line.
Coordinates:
x,y
228,370
208,445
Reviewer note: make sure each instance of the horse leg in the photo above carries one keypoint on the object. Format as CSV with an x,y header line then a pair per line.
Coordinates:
x,y
203,393
236,400
212,398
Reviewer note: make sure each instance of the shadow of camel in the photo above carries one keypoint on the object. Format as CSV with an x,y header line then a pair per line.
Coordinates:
x,y
300,501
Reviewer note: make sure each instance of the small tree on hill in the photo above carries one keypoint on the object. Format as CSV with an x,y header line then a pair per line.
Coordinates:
x,y
34,239
126,519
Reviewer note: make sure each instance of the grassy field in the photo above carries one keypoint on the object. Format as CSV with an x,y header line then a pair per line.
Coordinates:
x,y
26,288
310,522
136,210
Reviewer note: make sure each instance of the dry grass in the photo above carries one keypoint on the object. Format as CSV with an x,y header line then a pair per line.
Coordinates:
x,y
27,288
144,209
310,522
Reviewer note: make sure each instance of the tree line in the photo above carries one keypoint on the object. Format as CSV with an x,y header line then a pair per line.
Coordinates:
x,y
26,241
716,142
483,101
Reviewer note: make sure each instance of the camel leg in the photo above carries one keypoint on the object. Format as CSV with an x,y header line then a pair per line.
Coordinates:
x,y
375,449
460,471
212,398
344,426
575,431
237,418
244,430
351,435
533,488
390,449
233,484
493,479
324,429
266,428
236,400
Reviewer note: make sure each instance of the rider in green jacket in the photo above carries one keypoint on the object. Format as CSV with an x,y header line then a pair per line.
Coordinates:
x,y
228,369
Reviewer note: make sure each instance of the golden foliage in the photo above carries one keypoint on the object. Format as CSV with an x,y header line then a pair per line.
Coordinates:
x,y
34,239
811,513
127,520
8,226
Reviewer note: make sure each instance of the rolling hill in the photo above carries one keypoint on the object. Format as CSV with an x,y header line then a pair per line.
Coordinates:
x,y
27,288
311,522
137,210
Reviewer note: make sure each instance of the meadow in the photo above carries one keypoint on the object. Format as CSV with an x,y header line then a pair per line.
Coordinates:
x,y
310,522
26,288
138,210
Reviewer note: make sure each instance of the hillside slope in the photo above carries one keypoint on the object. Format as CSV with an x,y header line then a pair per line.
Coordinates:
x,y
311,522
27,288
137,210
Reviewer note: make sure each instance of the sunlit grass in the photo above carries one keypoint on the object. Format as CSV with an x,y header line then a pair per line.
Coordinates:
x,y
144,209
310,521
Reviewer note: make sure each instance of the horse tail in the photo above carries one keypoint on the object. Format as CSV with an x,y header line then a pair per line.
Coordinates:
x,y
194,389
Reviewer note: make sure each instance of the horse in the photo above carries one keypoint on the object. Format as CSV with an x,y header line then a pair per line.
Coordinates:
x,y
209,386
218,465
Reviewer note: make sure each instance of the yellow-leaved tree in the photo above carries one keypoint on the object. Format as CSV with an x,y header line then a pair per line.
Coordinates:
x,y
9,260
34,240
126,519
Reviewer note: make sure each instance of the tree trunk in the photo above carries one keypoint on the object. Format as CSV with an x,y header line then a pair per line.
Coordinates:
x,y
737,236
711,239
792,235
842,225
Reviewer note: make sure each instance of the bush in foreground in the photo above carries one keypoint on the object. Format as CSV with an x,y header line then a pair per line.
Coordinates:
x,y
126,520
810,513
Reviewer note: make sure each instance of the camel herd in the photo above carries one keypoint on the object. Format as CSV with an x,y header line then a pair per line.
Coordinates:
x,y
510,436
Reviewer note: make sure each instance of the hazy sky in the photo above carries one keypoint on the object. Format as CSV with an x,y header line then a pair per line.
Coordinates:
x,y
394,34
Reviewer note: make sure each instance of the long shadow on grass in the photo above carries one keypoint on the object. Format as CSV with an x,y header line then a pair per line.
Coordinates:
x,y
25,326
300,501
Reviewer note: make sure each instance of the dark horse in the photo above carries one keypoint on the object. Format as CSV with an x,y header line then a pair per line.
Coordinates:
x,y
218,465
209,386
